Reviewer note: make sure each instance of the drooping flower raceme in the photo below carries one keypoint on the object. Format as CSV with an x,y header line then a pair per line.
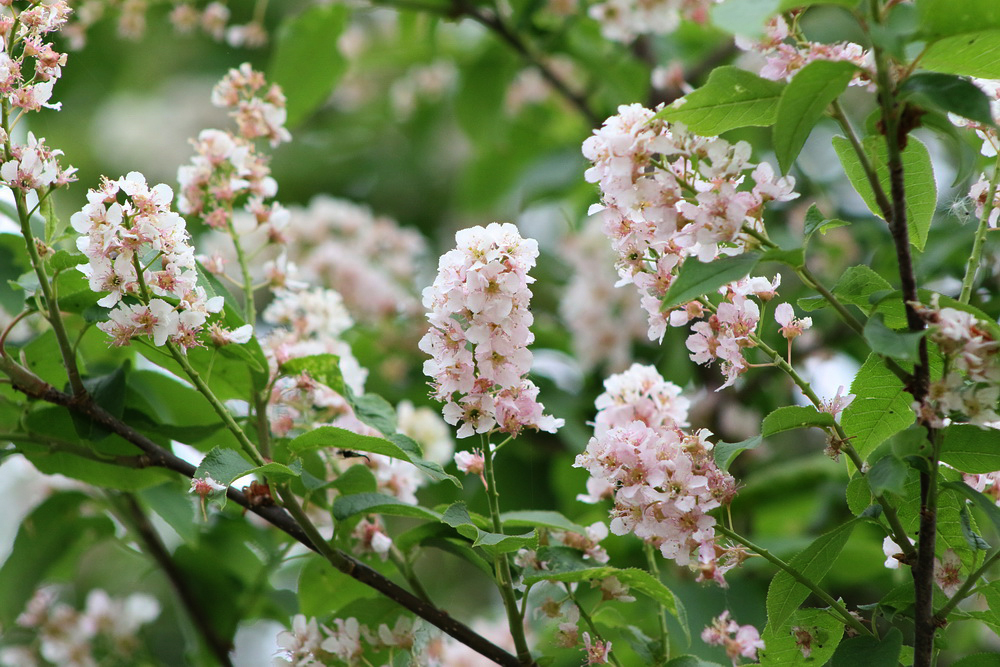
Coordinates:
x,y
668,195
664,480
138,247
479,334
624,20
738,640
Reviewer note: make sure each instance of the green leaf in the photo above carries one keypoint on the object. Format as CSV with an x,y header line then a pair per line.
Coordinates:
x,y
939,18
108,391
731,98
324,368
974,540
457,516
697,278
984,503
793,417
969,54
885,341
815,222
379,503
804,102
870,651
225,466
375,411
634,578
881,407
859,494
173,506
978,660
157,402
339,438
785,594
794,258
781,647
323,590
921,189
13,263
307,63
888,474
690,661
744,17
356,479
726,452
53,228
52,530
62,260
540,519
971,448
948,93
855,287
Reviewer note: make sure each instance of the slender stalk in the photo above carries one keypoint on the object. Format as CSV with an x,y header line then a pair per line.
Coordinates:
x,y
876,185
404,567
220,409
589,621
134,516
839,608
505,582
54,316
972,267
654,569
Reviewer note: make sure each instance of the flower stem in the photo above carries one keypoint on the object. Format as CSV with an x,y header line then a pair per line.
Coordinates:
x,y
589,621
654,569
839,608
220,409
504,579
972,267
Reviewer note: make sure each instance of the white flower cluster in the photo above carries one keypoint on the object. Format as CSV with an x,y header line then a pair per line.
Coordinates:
x,y
227,167
67,636
969,391
479,334
664,481
624,20
309,643
371,260
124,241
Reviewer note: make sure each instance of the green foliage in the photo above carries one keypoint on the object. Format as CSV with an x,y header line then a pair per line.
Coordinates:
x,y
726,452
968,54
785,594
870,651
803,102
881,407
825,632
947,93
971,448
886,342
793,417
921,188
310,37
457,516
697,278
731,98
347,506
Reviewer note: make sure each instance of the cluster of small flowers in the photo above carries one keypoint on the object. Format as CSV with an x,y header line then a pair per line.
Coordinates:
x,y
664,481
23,91
479,333
118,237
604,321
309,643
624,20
784,57
668,194
738,640
212,19
947,569
311,322
371,260
227,168
991,145
67,636
969,391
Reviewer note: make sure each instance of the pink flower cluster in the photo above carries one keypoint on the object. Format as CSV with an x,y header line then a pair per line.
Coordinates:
x,y
664,480
786,56
969,391
624,20
668,194
738,640
128,230
227,169
479,334
24,37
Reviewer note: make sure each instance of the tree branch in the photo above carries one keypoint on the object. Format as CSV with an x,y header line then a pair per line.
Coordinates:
x,y
31,385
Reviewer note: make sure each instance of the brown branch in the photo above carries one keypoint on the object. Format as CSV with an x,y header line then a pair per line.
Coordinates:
x,y
31,385
136,518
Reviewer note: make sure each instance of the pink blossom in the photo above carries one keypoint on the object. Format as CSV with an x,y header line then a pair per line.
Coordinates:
x,y
738,640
